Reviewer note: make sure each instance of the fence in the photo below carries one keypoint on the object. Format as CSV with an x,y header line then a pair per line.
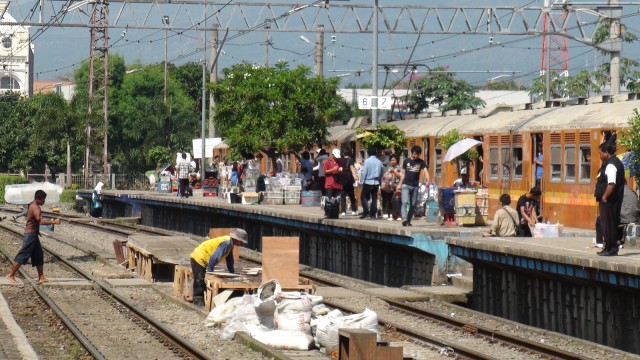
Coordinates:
x,y
115,181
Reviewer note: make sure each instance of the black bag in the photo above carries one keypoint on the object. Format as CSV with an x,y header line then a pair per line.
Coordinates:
x,y
396,205
519,230
332,207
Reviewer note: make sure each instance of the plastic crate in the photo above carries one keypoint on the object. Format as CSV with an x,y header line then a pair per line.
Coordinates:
x,y
465,198
292,200
310,198
250,198
273,198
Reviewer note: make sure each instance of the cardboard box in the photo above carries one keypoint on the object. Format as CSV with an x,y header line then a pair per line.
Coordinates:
x,y
547,230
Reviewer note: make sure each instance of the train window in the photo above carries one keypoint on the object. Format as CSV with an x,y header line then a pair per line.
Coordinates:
x,y
585,163
570,163
556,163
438,162
517,163
505,158
493,163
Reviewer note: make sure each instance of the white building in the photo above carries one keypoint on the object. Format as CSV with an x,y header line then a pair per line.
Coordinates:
x,y
16,56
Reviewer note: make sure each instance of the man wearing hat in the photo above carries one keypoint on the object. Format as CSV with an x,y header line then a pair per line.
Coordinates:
x,y
333,174
205,257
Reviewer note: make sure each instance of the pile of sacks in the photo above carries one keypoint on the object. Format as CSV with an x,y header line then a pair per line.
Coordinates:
x,y
287,320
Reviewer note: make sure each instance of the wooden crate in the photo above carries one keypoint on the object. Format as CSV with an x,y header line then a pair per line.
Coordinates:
x,y
183,282
146,266
247,284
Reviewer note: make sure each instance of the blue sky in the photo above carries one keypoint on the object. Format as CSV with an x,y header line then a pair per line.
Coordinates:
x,y
57,50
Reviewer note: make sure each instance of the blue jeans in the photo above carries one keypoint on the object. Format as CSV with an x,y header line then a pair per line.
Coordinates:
x,y
372,192
409,199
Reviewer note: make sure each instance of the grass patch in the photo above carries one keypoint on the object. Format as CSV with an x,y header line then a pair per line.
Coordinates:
x,y
68,196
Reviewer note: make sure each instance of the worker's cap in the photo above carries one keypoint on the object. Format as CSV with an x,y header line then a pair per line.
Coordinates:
x,y
336,153
239,235
463,171
318,150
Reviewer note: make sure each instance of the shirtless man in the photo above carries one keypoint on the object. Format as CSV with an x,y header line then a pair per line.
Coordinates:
x,y
31,247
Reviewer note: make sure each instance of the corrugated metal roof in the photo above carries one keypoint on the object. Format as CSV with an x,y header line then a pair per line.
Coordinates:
x,y
593,116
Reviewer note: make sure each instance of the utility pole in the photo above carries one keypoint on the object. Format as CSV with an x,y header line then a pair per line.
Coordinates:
x,y
320,50
204,102
213,78
267,26
165,22
614,34
374,68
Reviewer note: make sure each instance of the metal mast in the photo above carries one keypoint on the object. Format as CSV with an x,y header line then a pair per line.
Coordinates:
x,y
98,78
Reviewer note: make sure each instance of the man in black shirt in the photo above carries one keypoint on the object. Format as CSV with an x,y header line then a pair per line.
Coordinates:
x,y
527,211
410,182
609,194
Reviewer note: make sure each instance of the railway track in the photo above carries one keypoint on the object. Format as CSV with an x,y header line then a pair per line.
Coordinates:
x,y
417,327
88,311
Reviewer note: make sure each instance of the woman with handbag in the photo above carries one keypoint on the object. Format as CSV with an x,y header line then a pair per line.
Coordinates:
x,y
390,181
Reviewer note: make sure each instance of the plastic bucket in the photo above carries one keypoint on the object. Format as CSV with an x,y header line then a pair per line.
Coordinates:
x,y
432,211
310,198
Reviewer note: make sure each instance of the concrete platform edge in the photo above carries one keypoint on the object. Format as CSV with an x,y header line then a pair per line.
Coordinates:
x,y
19,338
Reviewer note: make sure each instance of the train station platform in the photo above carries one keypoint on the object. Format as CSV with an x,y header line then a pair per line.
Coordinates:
x,y
376,241
559,284
13,341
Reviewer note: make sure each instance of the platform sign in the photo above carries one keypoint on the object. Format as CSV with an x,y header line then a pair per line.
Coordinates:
x,y
209,144
373,102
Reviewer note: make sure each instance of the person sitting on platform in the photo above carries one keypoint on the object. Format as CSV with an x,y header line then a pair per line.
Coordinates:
x,y
210,252
504,221
629,213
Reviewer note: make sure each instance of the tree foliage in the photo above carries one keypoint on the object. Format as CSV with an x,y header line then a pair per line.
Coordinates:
x,y
274,109
143,130
581,85
383,136
629,73
630,139
440,88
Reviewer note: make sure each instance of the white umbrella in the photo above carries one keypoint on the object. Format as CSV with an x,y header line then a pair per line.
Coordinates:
x,y
460,148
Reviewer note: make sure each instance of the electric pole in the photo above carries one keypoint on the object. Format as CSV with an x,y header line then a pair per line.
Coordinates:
x,y
320,51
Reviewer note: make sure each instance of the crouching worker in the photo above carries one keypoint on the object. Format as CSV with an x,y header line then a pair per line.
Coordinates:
x,y
205,257
504,220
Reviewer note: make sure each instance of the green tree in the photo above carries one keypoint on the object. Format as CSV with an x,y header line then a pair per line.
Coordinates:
x,y
505,85
440,88
383,136
630,139
80,101
274,109
15,147
142,122
629,73
581,85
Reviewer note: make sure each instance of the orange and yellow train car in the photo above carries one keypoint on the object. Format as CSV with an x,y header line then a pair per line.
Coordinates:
x,y
568,134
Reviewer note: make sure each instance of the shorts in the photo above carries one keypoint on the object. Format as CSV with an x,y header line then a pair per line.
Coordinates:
x,y
31,248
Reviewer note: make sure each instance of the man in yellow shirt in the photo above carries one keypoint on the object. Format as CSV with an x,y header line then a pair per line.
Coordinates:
x,y
210,252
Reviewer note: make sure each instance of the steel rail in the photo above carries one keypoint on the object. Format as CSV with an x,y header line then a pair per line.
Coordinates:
x,y
485,332
167,332
84,341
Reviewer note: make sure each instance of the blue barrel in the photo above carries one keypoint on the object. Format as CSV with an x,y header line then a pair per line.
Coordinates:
x,y
447,200
164,187
433,208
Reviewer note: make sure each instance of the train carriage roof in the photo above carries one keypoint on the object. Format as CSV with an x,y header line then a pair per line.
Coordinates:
x,y
592,116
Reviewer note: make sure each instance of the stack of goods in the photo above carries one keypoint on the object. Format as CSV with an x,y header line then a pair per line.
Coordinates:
x,y
274,194
482,206
465,207
292,194
210,186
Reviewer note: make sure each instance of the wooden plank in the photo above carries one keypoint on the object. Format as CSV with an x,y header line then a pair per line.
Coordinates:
x,y
280,260
356,344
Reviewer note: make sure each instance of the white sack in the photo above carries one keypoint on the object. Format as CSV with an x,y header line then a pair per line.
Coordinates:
x,y
297,302
240,308
328,327
266,311
294,321
283,340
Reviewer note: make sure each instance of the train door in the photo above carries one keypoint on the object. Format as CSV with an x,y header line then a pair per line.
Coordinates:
x,y
479,166
537,169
